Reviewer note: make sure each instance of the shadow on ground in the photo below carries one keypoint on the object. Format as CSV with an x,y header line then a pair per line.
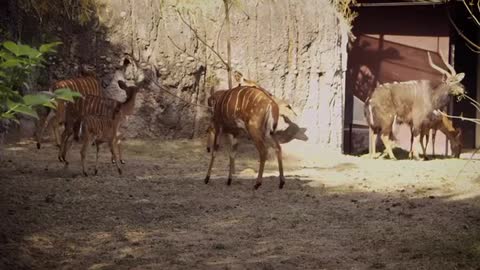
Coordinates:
x,y
160,215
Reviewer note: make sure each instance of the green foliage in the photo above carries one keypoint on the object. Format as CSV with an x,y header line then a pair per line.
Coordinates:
x,y
17,62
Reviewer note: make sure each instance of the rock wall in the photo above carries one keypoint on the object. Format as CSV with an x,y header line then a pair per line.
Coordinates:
x,y
296,51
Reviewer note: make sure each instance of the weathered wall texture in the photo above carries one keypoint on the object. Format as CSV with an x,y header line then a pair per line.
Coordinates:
x,y
294,49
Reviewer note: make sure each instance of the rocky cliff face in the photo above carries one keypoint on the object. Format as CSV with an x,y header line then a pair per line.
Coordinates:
x,y
296,51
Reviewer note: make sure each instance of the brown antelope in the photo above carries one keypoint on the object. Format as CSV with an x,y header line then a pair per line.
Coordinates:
x,y
411,102
242,81
445,125
254,111
87,85
99,129
96,106
89,105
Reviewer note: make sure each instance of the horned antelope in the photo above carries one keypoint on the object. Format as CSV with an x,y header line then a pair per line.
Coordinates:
x,y
410,102
99,129
87,85
254,111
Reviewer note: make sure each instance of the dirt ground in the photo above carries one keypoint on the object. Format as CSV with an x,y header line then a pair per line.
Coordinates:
x,y
335,212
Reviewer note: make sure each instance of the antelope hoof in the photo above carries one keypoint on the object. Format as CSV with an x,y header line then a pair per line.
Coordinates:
x,y
114,161
85,174
229,181
38,145
207,179
95,172
122,161
257,185
208,149
119,171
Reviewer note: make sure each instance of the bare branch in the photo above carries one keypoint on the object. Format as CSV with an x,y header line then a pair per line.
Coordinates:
x,y
474,120
471,43
475,103
184,50
201,40
472,49
470,11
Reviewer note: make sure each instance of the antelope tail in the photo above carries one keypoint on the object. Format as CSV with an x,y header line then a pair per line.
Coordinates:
x,y
368,113
78,130
270,123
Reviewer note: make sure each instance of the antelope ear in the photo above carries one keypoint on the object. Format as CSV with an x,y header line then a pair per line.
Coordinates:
x,y
459,77
122,85
300,135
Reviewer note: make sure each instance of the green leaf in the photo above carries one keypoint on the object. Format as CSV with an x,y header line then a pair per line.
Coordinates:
x,y
25,50
12,46
66,94
36,99
11,104
24,109
11,63
6,55
49,47
9,116
51,104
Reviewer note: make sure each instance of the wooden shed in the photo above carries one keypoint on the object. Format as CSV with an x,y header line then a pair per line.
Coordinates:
x,y
393,38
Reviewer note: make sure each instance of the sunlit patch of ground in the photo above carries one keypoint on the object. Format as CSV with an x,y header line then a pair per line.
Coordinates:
x,y
335,212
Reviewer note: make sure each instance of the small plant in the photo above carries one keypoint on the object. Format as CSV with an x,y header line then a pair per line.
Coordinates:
x,y
17,62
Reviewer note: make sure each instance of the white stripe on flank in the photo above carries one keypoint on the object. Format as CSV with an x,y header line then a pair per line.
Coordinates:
x,y
268,122
80,130
228,103
394,123
236,103
259,93
245,98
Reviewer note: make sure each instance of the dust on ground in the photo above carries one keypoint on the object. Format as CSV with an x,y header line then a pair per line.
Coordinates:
x,y
335,212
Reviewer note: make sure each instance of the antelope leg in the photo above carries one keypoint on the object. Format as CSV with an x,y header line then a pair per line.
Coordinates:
x,y
233,150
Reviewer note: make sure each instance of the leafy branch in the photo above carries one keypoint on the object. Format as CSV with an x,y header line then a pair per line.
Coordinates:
x,y
17,62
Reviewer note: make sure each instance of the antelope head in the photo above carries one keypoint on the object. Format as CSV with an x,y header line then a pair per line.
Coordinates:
x,y
456,144
287,129
452,79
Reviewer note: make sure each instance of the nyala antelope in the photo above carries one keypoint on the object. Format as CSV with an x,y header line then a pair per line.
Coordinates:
x,y
256,112
99,129
445,125
88,105
87,85
412,102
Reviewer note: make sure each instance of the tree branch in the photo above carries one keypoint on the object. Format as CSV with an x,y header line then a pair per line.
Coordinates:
x,y
471,43
184,50
474,120
202,41
471,13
